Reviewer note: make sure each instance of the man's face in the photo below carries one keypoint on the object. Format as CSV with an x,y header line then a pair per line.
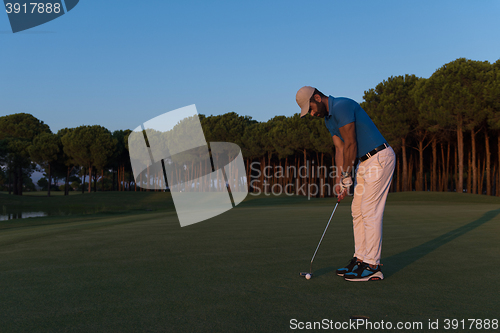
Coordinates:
x,y
317,109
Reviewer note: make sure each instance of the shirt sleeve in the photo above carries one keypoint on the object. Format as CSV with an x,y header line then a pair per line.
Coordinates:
x,y
333,131
345,114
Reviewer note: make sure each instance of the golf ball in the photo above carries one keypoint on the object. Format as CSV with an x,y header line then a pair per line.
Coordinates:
x,y
308,276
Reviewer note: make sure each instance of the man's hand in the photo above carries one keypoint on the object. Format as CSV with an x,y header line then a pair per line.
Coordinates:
x,y
346,182
342,195
342,187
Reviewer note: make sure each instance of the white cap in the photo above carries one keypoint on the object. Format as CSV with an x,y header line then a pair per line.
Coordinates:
x,y
303,97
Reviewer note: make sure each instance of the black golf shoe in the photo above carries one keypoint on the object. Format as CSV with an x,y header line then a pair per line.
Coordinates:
x,y
349,268
364,273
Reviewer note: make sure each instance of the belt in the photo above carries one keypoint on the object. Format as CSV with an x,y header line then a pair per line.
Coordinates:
x,y
373,152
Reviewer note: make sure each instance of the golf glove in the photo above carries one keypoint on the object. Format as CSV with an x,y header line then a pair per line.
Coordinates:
x,y
345,183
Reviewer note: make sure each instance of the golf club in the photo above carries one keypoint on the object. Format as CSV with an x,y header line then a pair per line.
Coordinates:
x,y
324,232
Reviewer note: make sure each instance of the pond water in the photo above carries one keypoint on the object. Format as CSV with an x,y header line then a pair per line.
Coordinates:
x,y
21,215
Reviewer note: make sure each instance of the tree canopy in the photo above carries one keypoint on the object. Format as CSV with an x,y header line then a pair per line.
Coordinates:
x,y
455,112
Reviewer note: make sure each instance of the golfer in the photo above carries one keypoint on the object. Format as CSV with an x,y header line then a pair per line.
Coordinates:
x,y
355,135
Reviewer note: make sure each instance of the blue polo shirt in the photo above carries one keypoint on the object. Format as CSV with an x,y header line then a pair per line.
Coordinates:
x,y
344,111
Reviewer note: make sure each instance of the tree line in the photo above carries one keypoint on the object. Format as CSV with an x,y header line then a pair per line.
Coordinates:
x,y
455,112
443,129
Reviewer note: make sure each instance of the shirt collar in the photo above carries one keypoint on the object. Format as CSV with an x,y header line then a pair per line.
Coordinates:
x,y
330,107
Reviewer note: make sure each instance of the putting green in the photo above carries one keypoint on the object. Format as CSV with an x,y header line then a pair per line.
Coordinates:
x,y
122,268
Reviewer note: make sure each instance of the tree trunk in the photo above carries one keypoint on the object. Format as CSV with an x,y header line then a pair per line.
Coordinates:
x,y
10,173
495,180
307,173
66,182
191,179
332,180
494,189
479,175
443,171
262,166
121,179
271,179
392,186
83,183
488,162
90,178
310,175
405,165
148,180
410,174
434,165
249,175
129,178
14,182
498,172
469,171
102,180
480,182
50,180
322,181
140,182
420,174
286,180
460,147
473,162
456,172
19,181
398,162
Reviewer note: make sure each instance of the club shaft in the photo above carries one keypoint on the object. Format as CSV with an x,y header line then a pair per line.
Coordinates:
x,y
324,232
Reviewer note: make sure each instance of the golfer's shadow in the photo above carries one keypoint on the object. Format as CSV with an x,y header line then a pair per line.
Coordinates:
x,y
397,262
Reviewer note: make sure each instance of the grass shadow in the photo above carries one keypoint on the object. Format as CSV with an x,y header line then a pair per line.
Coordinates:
x,y
397,262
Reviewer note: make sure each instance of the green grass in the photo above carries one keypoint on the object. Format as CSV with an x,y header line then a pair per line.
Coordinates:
x,y
110,203
123,268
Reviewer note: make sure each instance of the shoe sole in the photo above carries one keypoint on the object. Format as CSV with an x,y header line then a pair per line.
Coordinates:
x,y
374,277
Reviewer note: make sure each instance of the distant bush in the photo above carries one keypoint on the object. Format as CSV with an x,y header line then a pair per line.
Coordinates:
x,y
63,186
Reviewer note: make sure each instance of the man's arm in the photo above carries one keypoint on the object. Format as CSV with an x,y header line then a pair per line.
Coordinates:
x,y
348,132
339,162
339,153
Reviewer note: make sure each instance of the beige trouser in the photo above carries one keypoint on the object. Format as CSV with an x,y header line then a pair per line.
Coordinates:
x,y
373,178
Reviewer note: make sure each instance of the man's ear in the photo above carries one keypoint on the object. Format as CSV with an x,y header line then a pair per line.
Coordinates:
x,y
317,98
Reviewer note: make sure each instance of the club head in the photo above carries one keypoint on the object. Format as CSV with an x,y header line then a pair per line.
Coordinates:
x,y
305,273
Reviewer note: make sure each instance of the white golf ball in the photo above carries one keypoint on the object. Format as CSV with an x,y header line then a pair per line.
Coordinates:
x,y
308,276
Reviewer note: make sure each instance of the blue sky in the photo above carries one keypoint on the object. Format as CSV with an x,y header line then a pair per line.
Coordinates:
x,y
119,63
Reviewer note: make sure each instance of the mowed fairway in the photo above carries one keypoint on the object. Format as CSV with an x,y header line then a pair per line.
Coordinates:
x,y
126,269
